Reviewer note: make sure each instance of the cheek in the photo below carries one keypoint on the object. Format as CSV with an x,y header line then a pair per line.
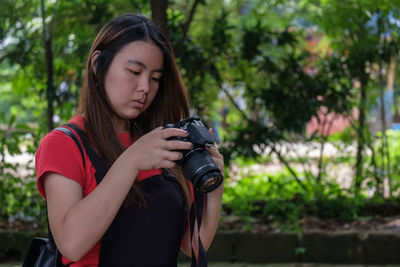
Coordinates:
x,y
117,87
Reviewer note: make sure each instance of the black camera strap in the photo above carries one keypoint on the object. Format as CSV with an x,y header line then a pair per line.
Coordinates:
x,y
197,209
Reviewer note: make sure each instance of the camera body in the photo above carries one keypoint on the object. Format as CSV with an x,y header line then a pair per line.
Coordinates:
x,y
197,162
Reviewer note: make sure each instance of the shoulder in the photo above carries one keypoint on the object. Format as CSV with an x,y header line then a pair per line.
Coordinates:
x,y
59,153
55,141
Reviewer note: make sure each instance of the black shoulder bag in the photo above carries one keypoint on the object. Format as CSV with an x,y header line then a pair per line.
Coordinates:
x,y
43,252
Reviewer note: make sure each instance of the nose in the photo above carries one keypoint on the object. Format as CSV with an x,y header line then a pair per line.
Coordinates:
x,y
144,85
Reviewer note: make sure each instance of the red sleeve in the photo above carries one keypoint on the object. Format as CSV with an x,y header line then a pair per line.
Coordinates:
x,y
58,153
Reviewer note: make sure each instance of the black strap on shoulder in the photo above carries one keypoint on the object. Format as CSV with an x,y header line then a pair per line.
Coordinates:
x,y
196,212
73,137
93,156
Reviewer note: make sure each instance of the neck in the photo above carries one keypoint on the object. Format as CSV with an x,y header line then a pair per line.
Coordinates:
x,y
121,125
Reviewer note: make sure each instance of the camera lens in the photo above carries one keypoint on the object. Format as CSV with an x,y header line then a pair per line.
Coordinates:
x,y
210,181
202,170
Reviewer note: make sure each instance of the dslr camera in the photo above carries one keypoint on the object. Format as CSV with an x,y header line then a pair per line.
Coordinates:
x,y
197,162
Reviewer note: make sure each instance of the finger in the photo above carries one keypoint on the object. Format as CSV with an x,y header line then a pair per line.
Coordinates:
x,y
213,150
167,164
178,145
176,156
170,132
216,156
173,155
167,159
219,164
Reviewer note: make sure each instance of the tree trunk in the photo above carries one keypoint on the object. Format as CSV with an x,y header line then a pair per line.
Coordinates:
x,y
159,14
325,130
390,85
179,46
361,134
50,69
382,99
385,154
385,168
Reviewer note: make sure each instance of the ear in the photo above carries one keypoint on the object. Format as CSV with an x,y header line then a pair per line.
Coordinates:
x,y
93,60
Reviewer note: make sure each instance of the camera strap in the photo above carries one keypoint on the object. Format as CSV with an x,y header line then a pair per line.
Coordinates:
x,y
199,255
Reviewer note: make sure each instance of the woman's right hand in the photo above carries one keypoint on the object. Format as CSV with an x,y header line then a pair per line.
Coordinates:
x,y
154,151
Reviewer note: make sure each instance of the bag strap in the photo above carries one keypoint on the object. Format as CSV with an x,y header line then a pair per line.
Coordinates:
x,y
95,159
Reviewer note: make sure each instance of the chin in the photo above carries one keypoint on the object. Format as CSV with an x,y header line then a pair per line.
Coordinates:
x,y
132,116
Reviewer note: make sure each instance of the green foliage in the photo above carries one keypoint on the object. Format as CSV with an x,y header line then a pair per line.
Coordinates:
x,y
300,250
393,138
279,199
19,198
347,136
272,197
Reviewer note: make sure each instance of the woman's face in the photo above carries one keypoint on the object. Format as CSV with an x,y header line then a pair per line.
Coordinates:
x,y
132,81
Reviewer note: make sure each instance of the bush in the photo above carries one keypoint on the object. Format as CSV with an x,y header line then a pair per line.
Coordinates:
x,y
279,199
19,198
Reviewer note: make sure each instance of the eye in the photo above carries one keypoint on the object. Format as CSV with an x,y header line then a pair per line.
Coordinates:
x,y
134,72
155,79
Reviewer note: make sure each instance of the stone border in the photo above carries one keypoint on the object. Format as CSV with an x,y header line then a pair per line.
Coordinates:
x,y
335,248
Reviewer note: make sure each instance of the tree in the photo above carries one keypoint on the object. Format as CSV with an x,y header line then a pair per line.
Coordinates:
x,y
159,14
358,30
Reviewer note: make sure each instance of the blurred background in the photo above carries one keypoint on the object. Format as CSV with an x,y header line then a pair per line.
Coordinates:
x,y
303,96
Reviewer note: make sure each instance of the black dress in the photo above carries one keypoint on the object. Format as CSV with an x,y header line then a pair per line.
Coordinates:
x,y
148,236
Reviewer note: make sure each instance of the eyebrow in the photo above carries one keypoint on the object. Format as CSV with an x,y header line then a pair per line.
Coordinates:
x,y
136,62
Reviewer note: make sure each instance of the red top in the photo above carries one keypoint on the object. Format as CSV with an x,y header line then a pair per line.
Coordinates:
x,y
58,153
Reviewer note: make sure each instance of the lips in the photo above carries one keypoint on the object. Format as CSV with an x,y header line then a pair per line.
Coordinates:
x,y
139,103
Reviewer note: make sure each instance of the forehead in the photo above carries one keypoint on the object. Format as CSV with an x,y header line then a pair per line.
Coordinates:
x,y
143,51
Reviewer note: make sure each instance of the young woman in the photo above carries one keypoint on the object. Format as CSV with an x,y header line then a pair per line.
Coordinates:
x,y
137,215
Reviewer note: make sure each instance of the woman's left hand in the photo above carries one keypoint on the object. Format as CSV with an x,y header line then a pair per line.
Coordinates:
x,y
215,155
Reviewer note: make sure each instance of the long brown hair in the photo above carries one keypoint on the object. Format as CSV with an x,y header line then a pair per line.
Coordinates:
x,y
169,105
